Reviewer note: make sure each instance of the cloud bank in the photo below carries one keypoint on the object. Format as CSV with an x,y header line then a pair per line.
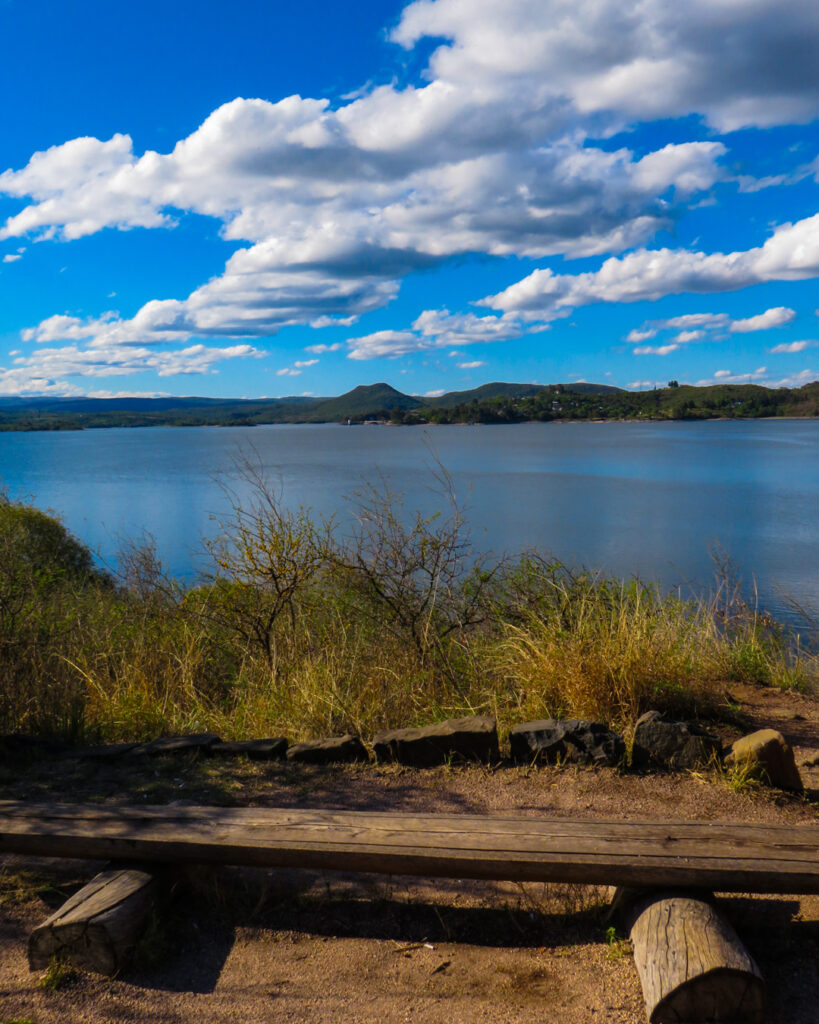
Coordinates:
x,y
493,153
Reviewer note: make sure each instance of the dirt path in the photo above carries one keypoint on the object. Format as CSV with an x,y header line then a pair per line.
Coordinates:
x,y
252,946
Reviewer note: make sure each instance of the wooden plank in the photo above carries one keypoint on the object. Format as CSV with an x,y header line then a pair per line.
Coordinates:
x,y
723,856
98,927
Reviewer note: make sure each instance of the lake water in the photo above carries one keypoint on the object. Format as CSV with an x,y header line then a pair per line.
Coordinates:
x,y
629,498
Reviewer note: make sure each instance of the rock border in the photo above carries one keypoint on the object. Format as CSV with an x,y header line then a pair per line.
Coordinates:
x,y
659,744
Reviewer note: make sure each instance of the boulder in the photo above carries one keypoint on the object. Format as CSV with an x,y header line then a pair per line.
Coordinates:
x,y
553,740
769,752
465,739
336,748
196,743
256,750
679,745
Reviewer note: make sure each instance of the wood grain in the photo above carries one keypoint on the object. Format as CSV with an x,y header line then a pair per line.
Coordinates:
x,y
97,927
693,966
721,856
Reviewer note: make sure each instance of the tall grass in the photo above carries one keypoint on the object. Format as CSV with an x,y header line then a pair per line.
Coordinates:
x,y
302,633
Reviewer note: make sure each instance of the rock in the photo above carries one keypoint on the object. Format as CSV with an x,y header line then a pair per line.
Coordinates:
x,y
336,748
16,747
106,752
552,740
810,760
767,749
679,745
198,743
256,750
466,739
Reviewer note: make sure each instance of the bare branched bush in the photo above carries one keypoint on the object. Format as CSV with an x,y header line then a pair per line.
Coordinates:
x,y
418,576
265,558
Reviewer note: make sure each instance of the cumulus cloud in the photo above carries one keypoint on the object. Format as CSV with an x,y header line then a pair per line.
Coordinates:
x,y
655,350
44,372
492,154
471,366
743,63
12,257
435,329
793,346
775,317
790,254
321,349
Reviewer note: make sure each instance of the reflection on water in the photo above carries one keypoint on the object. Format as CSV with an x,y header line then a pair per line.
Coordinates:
x,y
630,498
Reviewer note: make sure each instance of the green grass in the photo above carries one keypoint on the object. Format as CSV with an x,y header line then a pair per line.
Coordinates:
x,y
299,633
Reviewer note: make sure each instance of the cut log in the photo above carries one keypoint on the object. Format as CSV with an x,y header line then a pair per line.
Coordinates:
x,y
99,926
692,965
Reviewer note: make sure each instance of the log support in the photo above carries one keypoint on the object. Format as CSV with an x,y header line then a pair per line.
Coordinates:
x,y
692,965
98,927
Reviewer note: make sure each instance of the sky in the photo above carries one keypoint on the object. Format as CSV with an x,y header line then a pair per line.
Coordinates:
x,y
261,199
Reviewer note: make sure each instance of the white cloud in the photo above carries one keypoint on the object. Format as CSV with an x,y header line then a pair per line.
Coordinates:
x,y
305,362
790,254
435,329
471,366
775,317
655,350
758,376
45,370
288,371
793,346
321,349
435,394
743,62
12,257
493,154
645,334
685,336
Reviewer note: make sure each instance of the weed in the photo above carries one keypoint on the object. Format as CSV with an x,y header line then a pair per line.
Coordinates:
x,y
618,947
59,974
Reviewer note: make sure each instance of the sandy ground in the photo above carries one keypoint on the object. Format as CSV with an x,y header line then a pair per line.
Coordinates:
x,y
255,946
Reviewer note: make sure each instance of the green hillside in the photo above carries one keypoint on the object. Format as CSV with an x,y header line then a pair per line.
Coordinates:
x,y
497,402
373,401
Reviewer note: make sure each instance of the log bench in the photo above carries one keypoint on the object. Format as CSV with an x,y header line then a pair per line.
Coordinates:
x,y
703,962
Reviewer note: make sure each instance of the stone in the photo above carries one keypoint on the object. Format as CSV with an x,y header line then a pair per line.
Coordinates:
x,y
198,743
576,741
15,747
106,752
768,750
679,745
465,739
256,750
345,748
810,760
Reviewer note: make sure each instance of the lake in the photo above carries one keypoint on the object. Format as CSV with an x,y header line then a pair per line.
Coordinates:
x,y
647,499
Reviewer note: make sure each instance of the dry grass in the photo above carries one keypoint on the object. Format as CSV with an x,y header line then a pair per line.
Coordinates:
x,y
85,656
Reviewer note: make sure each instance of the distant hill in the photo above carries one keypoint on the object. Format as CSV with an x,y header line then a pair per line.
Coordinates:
x,y
497,402
584,388
495,390
376,401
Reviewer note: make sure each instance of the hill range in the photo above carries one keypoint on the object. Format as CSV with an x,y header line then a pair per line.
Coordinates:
x,y
497,402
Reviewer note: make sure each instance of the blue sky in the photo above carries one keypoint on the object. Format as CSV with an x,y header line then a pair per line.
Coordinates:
x,y
268,199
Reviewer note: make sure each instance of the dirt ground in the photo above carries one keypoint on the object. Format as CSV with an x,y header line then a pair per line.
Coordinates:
x,y
251,946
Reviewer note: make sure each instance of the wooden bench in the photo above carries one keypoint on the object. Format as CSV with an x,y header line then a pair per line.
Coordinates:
x,y
691,963
709,855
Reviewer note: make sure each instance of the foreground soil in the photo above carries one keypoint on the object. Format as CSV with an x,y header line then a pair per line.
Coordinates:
x,y
253,946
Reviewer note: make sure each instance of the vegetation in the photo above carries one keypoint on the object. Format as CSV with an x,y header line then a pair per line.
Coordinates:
x,y
301,631
675,402
491,403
